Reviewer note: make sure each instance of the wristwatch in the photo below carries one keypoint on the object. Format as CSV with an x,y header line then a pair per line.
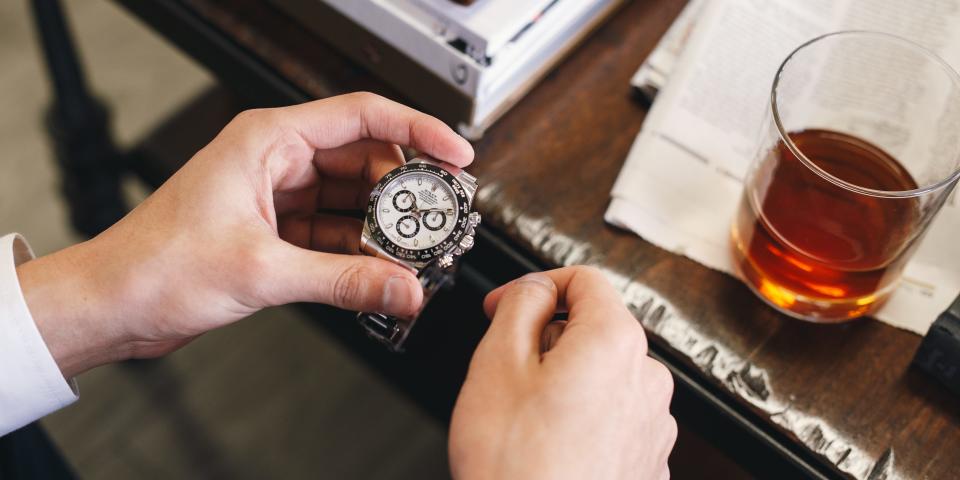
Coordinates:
x,y
420,217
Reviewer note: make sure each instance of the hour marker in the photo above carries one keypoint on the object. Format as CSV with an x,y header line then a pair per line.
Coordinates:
x,y
449,211
433,188
389,226
419,182
446,197
415,242
385,210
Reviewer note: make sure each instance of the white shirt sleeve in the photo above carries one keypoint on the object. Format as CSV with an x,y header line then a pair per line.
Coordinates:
x,y
31,384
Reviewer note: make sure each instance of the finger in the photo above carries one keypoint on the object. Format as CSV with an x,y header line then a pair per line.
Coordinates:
x,y
583,291
343,194
664,473
351,282
551,333
332,194
341,178
301,201
669,438
323,232
337,121
493,298
591,302
364,160
659,382
521,315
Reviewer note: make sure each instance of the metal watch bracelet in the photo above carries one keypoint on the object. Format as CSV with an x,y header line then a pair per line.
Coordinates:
x,y
392,331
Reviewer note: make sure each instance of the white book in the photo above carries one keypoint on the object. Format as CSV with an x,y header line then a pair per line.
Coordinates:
x,y
485,26
521,47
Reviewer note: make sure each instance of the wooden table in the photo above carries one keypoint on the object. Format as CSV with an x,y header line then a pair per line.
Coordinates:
x,y
832,400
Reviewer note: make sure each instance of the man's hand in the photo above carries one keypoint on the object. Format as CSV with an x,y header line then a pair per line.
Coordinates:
x,y
237,230
592,406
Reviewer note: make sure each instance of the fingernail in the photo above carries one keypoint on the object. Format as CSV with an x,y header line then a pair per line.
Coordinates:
x,y
398,295
538,278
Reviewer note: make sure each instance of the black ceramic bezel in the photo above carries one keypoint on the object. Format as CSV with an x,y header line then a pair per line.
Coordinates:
x,y
458,230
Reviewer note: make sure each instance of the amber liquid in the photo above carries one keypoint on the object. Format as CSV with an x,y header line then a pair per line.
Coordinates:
x,y
814,249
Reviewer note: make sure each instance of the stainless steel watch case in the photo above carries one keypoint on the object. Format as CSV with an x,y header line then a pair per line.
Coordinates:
x,y
437,267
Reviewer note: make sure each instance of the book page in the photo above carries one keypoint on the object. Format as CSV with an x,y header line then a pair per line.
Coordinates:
x,y
682,180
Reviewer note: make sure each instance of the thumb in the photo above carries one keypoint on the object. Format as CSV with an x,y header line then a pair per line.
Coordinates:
x,y
524,309
351,282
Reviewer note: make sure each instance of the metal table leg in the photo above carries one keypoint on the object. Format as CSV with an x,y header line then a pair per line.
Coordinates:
x,y
78,125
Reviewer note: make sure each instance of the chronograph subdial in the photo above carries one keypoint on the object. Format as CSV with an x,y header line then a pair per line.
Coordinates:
x,y
408,226
435,219
404,201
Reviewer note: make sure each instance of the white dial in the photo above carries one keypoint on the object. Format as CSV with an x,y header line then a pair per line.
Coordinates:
x,y
417,210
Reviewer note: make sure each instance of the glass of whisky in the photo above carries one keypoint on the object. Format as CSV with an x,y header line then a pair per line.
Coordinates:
x,y
859,150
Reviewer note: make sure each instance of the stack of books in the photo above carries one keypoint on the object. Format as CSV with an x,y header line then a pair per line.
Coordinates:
x,y
465,62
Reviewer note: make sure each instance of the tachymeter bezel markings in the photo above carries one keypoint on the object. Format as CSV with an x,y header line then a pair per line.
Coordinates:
x,y
457,230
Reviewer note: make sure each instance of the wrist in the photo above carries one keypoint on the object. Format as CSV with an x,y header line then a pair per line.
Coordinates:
x,y
61,293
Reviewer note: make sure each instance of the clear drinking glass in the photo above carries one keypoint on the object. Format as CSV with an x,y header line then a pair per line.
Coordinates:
x,y
859,150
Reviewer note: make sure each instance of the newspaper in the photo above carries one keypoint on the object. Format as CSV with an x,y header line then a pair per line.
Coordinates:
x,y
652,74
682,180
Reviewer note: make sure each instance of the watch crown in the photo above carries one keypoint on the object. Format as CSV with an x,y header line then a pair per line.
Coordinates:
x,y
474,219
445,261
466,243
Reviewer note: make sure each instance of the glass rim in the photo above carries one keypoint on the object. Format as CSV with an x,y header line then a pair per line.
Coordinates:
x,y
785,138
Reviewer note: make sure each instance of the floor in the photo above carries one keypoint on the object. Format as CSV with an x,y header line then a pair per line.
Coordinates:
x,y
270,397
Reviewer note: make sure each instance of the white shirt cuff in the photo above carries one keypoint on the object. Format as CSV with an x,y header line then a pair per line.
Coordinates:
x,y
31,384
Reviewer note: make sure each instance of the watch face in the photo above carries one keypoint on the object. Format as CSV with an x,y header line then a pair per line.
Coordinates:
x,y
417,211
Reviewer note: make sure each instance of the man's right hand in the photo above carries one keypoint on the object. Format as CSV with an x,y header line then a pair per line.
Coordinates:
x,y
592,406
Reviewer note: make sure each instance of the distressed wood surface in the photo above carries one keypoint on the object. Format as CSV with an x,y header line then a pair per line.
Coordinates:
x,y
846,392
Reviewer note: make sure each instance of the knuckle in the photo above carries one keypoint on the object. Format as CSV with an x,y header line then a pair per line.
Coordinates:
x,y
639,334
615,341
672,431
532,288
588,270
365,97
622,338
257,119
626,338
529,288
247,117
590,274
662,378
348,286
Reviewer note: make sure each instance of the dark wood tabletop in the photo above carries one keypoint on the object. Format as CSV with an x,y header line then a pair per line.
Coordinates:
x,y
845,393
